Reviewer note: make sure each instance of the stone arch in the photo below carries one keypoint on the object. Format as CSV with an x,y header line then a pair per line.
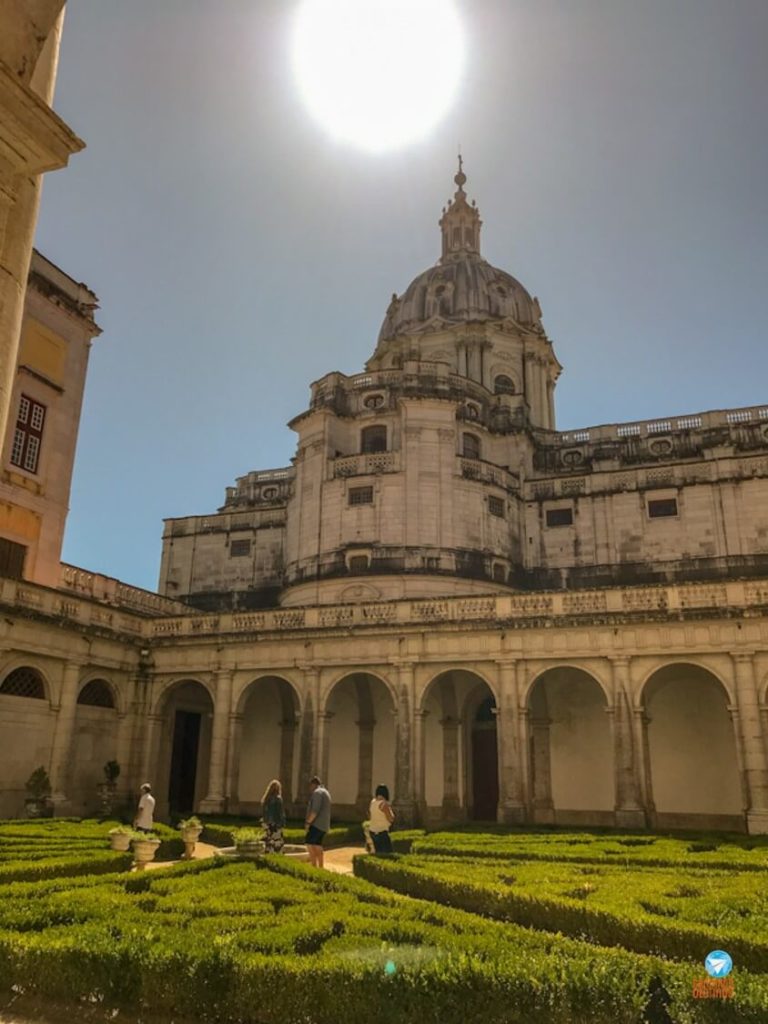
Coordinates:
x,y
570,747
95,737
460,759
24,681
358,749
166,688
329,687
691,747
267,741
185,709
700,663
98,692
26,733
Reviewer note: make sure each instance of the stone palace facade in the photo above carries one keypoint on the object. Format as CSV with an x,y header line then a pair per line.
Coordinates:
x,y
442,593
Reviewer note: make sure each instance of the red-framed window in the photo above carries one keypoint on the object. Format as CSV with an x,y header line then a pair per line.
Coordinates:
x,y
28,436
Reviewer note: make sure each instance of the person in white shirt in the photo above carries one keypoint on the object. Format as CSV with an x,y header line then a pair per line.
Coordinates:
x,y
380,818
146,810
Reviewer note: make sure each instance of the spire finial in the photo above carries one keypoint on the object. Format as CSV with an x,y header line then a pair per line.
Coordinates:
x,y
460,177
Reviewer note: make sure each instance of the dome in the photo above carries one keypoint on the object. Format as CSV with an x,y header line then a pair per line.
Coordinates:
x,y
462,286
460,290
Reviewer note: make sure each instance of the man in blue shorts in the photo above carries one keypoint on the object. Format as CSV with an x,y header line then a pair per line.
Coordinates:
x,y
318,820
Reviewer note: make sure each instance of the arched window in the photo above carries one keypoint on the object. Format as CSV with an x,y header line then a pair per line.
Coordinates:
x,y
504,385
499,572
470,446
373,439
23,682
97,694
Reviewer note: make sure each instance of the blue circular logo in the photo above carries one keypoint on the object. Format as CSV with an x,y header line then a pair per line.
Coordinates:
x,y
718,964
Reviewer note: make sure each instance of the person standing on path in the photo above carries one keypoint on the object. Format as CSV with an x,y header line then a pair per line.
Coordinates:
x,y
273,817
145,812
318,820
380,818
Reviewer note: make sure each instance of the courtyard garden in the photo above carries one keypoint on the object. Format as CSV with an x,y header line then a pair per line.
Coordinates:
x,y
499,926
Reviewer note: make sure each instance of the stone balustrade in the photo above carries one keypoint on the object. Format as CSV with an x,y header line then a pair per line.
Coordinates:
x,y
108,590
676,601
671,425
361,465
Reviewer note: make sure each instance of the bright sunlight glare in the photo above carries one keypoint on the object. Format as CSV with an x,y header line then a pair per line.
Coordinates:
x,y
378,73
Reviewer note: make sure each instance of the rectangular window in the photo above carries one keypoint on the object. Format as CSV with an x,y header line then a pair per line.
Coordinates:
x,y
239,548
559,516
361,496
495,505
12,559
28,435
661,507
358,563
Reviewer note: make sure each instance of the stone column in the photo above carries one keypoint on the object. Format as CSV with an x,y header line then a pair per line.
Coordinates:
x,y
323,744
214,801
543,806
234,746
288,729
511,808
752,743
524,738
61,751
628,809
642,748
365,729
405,753
419,766
152,726
451,803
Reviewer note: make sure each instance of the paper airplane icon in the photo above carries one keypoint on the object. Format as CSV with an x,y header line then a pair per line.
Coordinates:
x,y
718,964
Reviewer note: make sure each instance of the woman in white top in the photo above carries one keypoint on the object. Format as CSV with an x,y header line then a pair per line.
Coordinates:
x,y
380,818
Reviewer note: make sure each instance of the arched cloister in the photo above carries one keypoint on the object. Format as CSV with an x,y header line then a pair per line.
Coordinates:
x,y
27,725
267,743
691,748
358,741
570,748
185,710
95,741
460,748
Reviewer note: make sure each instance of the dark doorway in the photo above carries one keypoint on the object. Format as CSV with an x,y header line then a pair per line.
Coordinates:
x,y
186,741
485,772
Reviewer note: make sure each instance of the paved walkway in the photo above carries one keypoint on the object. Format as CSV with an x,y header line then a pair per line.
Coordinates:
x,y
338,860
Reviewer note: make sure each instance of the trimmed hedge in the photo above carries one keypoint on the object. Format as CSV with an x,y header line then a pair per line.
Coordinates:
x,y
48,848
208,940
741,853
631,910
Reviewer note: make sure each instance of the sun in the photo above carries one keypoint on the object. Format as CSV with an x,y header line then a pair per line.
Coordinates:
x,y
378,74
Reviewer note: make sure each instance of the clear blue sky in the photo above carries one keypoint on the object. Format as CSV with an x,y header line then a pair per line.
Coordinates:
x,y
618,151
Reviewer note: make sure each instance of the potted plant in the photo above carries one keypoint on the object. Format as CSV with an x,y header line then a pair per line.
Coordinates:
x,y
120,837
38,802
145,846
190,829
249,841
108,788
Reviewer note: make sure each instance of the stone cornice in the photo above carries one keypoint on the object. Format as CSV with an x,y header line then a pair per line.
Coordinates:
x,y
33,139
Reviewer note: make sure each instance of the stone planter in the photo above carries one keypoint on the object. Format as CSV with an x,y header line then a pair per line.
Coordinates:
x,y
107,793
120,841
251,848
144,851
190,836
42,808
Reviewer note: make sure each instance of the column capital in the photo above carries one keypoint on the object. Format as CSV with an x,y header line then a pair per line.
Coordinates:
x,y
743,657
620,660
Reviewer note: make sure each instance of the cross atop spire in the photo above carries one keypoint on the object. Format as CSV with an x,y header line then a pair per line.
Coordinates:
x,y
460,223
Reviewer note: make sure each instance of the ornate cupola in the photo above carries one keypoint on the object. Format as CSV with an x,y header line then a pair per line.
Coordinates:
x,y
460,224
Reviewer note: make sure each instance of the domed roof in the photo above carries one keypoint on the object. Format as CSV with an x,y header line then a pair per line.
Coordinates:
x,y
462,286
461,290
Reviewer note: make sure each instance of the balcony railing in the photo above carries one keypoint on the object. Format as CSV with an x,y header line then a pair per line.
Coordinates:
x,y
360,465
108,590
672,425
675,601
